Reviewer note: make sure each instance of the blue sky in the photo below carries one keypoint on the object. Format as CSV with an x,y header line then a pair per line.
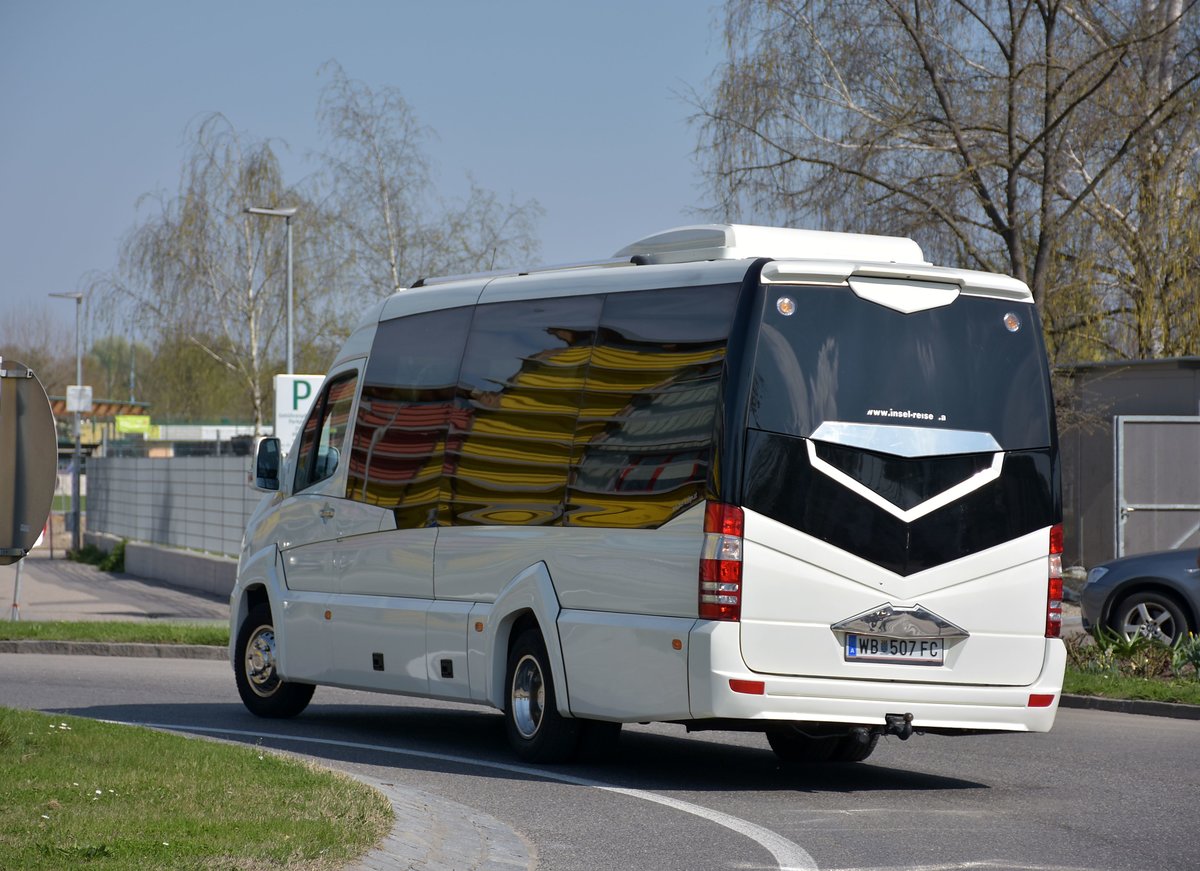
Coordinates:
x,y
581,106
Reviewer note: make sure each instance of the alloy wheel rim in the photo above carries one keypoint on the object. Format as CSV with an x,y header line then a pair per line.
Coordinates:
x,y
528,696
261,673
1149,621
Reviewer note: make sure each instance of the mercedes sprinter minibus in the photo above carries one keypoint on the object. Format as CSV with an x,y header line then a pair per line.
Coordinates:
x,y
798,482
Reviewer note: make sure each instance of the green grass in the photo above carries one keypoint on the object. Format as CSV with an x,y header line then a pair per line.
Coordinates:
x,y
1182,690
106,561
147,632
78,793
62,503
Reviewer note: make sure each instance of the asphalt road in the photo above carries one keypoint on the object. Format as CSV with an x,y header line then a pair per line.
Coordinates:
x,y
1102,791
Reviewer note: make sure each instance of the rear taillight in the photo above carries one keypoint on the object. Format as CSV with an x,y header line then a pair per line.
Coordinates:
x,y
1054,588
721,563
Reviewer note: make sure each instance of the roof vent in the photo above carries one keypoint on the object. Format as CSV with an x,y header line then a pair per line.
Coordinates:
x,y
740,241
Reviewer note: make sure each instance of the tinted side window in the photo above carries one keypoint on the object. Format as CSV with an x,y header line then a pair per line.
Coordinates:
x,y
324,433
510,441
644,440
405,413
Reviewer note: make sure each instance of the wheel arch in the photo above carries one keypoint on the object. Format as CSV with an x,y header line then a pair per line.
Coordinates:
x,y
527,601
258,582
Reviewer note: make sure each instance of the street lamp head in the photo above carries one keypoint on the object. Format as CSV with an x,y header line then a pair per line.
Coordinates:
x,y
78,297
286,214
275,213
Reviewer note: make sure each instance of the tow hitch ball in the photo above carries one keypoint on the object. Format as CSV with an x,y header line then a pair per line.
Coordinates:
x,y
899,725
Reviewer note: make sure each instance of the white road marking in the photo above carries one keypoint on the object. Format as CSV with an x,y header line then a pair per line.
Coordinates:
x,y
788,855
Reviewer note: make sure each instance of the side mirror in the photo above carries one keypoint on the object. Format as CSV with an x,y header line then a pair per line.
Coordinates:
x,y
327,463
267,461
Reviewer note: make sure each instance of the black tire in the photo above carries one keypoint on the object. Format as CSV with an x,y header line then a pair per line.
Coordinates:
x,y
263,692
855,747
536,730
1151,615
794,747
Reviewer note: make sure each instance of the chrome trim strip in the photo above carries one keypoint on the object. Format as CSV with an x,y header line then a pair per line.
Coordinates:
x,y
899,621
941,500
906,441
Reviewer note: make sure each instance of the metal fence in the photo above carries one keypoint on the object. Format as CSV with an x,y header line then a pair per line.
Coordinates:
x,y
199,503
1158,483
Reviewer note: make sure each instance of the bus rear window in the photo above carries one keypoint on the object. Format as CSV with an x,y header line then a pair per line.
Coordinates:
x,y
976,365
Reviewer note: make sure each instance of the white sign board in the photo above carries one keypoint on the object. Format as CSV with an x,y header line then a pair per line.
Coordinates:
x,y
294,396
79,398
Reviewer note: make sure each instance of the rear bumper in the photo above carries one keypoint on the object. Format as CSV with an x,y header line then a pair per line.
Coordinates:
x,y
715,658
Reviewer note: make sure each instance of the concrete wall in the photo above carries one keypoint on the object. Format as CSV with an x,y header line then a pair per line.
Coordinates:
x,y
204,572
207,573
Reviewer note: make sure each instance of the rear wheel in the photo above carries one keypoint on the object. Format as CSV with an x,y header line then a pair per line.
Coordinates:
x,y
855,747
796,747
536,730
262,690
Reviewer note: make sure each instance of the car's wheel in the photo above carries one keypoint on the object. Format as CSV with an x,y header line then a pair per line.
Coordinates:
x,y
536,730
262,690
1151,615
794,747
855,747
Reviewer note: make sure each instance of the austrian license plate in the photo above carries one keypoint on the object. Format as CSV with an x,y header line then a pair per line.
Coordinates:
x,y
909,651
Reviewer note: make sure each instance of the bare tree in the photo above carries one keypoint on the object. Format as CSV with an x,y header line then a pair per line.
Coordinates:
x,y
1048,139
30,335
202,282
1145,217
201,269
390,227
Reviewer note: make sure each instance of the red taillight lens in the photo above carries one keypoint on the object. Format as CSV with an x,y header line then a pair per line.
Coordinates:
x,y
1054,585
748,687
721,563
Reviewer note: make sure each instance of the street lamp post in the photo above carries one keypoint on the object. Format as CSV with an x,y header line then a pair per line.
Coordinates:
x,y
287,215
78,460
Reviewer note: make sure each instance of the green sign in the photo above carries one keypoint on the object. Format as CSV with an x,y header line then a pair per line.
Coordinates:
x,y
133,423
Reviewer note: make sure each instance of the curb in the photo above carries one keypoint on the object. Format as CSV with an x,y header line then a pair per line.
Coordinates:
x,y
431,832
108,648
1132,706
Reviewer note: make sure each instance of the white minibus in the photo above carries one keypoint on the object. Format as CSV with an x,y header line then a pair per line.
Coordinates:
x,y
747,478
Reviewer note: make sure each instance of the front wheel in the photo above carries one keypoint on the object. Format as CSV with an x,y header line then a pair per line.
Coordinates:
x,y
255,668
536,730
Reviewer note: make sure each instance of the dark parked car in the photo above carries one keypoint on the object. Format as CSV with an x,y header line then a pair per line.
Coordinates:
x,y
1151,594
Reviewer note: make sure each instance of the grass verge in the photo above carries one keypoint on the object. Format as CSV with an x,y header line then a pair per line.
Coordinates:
x,y
1112,686
62,503
117,631
81,793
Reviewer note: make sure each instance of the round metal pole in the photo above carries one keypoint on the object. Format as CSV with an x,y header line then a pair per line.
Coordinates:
x,y
75,513
15,614
291,356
